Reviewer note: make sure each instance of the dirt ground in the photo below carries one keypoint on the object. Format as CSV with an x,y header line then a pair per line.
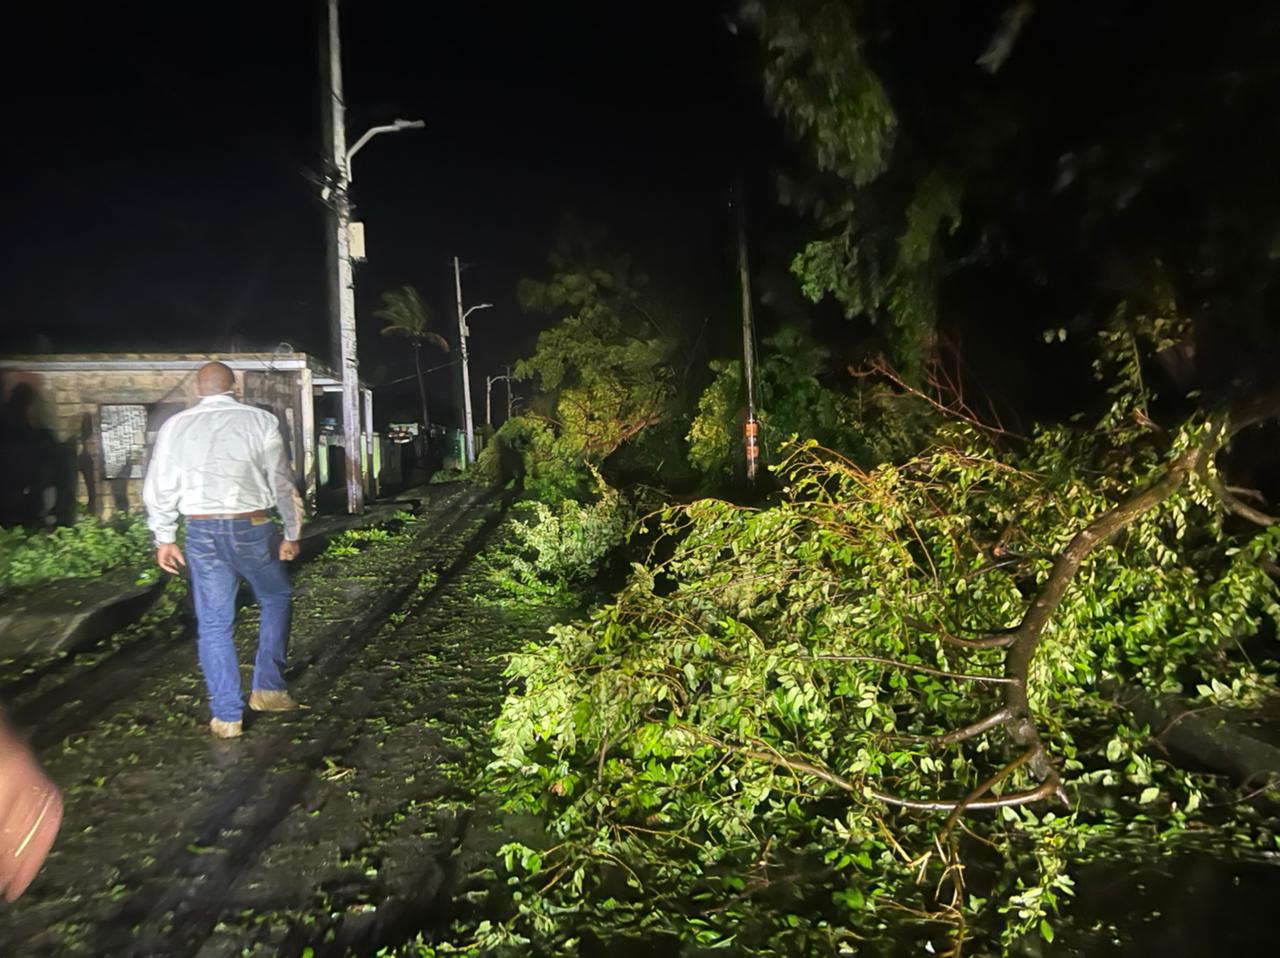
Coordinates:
x,y
340,829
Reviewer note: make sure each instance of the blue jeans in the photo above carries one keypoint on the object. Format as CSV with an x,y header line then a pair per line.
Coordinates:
x,y
220,552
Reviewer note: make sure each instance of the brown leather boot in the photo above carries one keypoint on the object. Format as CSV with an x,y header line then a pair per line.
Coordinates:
x,y
264,700
221,729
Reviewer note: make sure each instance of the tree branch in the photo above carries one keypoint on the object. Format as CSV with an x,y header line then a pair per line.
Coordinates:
x,y
1021,644
972,730
971,802
775,758
1047,788
986,642
947,397
998,717
897,663
1020,725
1232,503
981,790
995,640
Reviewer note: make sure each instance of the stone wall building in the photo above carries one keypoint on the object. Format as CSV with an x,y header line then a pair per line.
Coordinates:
x,y
104,410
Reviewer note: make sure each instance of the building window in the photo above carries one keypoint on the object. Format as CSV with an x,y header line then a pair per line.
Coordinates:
x,y
124,440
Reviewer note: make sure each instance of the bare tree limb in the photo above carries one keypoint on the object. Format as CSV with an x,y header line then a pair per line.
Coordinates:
x,y
986,642
775,758
1248,494
1046,789
972,730
946,395
993,640
998,717
981,790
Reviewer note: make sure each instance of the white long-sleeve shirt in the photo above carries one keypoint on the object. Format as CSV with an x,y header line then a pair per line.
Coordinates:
x,y
219,456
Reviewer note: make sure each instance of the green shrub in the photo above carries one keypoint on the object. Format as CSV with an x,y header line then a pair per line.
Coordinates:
x,y
796,397
88,548
561,548
447,475
529,451
354,541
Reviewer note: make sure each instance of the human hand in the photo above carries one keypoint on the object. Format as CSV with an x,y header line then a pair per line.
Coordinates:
x,y
169,557
289,550
30,813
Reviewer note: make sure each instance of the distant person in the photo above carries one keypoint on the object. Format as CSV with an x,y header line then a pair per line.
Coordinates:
x,y
31,455
30,813
221,464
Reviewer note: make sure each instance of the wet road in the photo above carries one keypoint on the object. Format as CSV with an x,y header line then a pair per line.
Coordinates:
x,y
343,828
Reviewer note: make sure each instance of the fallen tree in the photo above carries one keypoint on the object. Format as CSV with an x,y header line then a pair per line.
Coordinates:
x,y
861,673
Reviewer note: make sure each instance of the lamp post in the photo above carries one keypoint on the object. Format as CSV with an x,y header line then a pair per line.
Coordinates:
x,y
464,331
395,126
344,278
468,427
488,397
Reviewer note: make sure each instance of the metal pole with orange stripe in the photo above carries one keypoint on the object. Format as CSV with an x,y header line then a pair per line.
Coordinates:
x,y
751,430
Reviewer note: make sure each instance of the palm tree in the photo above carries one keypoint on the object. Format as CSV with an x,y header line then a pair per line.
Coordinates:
x,y
407,315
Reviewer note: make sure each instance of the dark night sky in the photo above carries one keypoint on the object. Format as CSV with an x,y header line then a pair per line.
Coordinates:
x,y
159,157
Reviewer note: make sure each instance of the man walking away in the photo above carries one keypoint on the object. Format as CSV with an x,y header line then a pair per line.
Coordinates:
x,y
222,465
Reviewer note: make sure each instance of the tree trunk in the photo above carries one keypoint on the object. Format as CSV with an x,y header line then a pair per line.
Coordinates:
x,y
422,387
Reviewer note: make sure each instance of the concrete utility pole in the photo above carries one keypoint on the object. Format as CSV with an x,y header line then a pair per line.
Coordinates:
x,y
341,270
751,429
488,396
468,427
345,317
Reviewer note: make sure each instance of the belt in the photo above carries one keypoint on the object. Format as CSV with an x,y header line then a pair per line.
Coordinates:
x,y
256,514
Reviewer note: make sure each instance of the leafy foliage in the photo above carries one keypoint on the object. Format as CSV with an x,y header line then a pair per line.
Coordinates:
x,y
1135,330
528,448
866,423
352,542
557,552
88,548
602,372
823,84
873,273
947,187
407,315
878,257
772,682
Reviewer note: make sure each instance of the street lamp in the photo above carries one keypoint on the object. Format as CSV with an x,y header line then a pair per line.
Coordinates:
x,y
395,126
488,396
470,310
348,363
463,333
340,156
